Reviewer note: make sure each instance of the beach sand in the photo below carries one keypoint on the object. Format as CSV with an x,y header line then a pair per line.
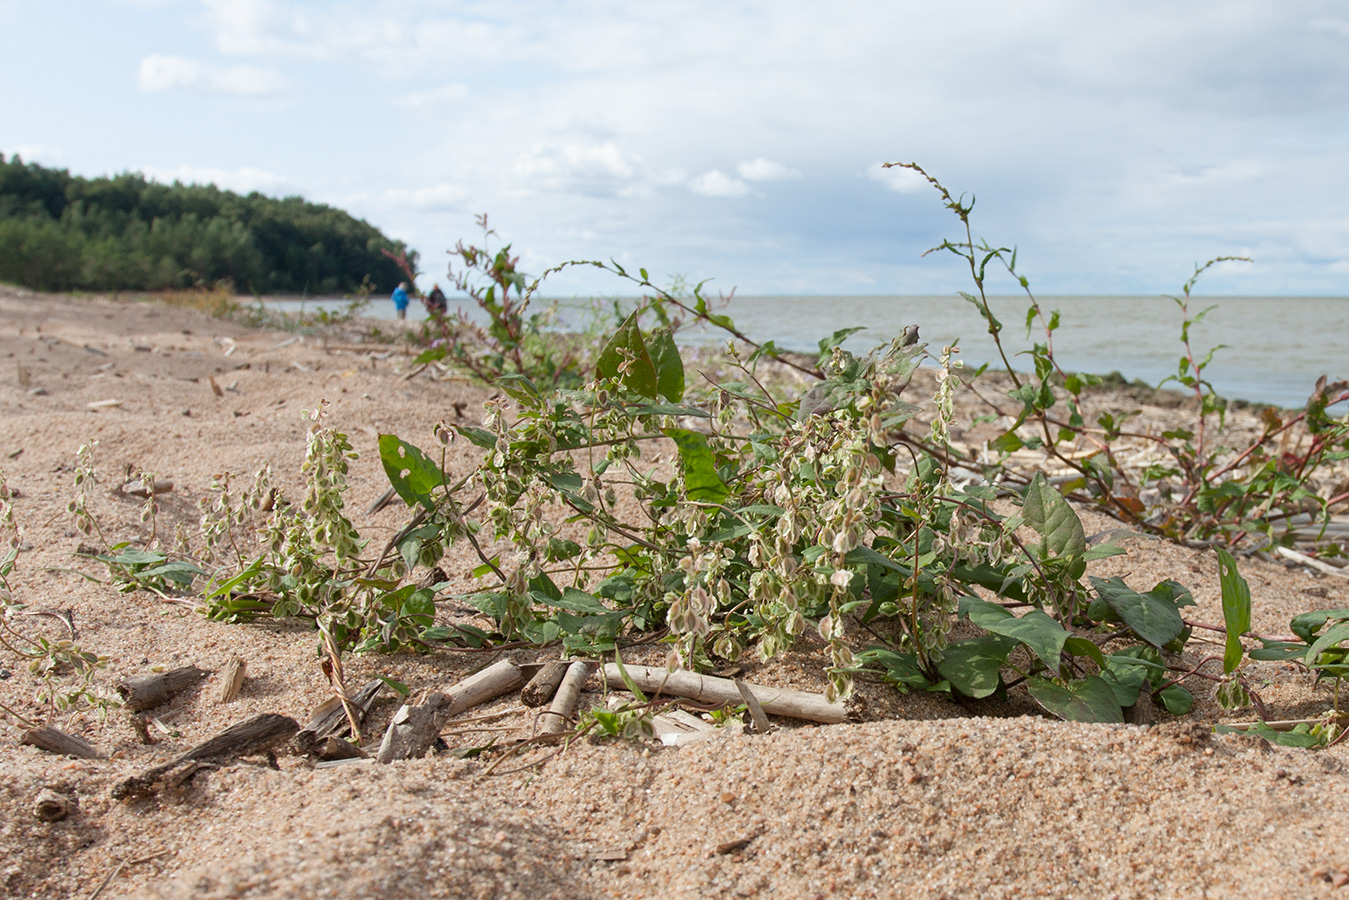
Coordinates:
x,y
925,798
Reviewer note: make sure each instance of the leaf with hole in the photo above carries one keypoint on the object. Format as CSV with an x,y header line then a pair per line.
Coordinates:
x,y
412,473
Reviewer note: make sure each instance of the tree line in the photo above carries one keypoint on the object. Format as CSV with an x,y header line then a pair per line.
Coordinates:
x,y
61,232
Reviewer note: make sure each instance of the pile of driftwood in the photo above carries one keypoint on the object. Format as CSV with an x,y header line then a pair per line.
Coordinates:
x,y
333,734
417,725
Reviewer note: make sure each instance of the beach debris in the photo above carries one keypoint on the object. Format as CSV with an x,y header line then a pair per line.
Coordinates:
x,y
232,679
1311,562
543,685
416,726
147,691
252,737
713,690
329,719
103,404
138,488
559,715
52,806
756,711
54,740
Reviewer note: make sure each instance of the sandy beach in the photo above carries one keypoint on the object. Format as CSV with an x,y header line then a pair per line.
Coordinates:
x,y
922,797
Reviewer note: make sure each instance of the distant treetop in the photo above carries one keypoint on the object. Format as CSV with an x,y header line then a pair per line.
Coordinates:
x,y
60,232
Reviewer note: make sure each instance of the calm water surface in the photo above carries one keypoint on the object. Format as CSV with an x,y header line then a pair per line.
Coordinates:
x,y
1275,349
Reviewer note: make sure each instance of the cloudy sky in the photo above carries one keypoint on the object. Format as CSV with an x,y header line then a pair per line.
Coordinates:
x,y
1115,144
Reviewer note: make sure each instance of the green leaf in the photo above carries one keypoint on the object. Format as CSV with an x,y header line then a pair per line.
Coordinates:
x,y
1332,637
1080,646
134,557
1300,736
398,687
698,465
1177,699
578,601
627,346
1236,608
1152,618
1007,443
1036,629
479,437
627,679
1090,699
430,355
902,669
1045,510
828,344
1307,624
411,472
974,666
1126,681
669,365
420,607
666,409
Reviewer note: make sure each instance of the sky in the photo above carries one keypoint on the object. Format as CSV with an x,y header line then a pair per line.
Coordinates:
x,y
1115,145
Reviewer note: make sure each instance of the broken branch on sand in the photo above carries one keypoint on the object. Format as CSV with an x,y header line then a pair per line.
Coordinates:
x,y
416,726
711,689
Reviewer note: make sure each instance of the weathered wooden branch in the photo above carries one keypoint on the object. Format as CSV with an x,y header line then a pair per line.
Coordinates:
x,y
149,691
543,685
251,737
756,710
330,718
559,714
689,720
337,748
1312,562
416,726
232,679
711,689
53,740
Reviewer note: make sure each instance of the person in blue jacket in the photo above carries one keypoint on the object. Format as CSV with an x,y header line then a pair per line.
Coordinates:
x,y
400,299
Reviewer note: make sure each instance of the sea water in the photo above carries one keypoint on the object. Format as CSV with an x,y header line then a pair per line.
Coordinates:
x,y
1269,349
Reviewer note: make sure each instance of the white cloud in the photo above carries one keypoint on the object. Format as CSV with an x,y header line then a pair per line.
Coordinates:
x,y
584,168
717,183
760,169
442,96
242,181
167,73
903,181
436,198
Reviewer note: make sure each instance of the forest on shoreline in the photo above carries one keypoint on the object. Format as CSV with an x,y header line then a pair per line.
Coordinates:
x,y
63,232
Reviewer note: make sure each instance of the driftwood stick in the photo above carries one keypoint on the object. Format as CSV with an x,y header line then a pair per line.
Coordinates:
x,y
416,726
337,748
756,710
710,689
543,685
151,690
689,720
330,718
232,679
1312,563
250,737
559,714
53,740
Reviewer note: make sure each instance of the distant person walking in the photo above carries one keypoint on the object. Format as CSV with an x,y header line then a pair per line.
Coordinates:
x,y
400,299
436,302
